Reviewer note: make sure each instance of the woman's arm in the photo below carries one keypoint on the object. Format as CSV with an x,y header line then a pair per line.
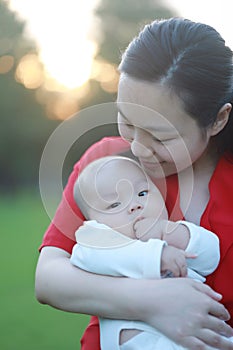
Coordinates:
x,y
186,311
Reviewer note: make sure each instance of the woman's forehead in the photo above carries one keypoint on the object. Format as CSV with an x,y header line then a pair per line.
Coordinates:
x,y
148,103
145,119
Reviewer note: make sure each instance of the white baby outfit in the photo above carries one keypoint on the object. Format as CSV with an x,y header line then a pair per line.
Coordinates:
x,y
102,250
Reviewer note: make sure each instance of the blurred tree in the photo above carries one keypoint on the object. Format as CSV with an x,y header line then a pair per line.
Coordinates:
x,y
122,20
24,128
119,22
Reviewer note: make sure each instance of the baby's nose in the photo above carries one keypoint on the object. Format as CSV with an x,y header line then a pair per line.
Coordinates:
x,y
135,207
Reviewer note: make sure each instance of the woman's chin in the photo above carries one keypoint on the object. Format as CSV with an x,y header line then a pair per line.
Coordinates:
x,y
159,170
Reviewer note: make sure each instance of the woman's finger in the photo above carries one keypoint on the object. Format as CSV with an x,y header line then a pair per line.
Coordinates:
x,y
218,310
216,341
214,307
204,288
218,326
193,343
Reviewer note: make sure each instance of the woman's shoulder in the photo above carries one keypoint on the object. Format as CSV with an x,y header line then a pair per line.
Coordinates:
x,y
224,169
227,159
221,188
68,216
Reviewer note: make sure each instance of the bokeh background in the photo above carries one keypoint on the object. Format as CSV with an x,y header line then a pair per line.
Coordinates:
x,y
57,58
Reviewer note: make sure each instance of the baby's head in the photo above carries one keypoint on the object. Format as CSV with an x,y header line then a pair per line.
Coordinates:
x,y
117,192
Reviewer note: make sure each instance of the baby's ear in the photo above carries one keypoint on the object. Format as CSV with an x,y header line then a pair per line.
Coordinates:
x,y
222,119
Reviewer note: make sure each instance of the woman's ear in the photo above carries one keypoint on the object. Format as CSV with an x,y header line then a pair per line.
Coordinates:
x,y
222,119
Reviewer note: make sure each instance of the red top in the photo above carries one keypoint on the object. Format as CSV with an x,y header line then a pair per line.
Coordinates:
x,y
217,218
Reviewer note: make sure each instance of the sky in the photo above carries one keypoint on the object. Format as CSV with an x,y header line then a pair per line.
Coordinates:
x,y
70,25
216,13
62,29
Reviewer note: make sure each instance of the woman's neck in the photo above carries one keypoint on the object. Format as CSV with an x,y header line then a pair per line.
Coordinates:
x,y
194,186
206,164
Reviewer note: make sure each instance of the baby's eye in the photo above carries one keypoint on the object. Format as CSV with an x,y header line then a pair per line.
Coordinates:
x,y
143,193
114,205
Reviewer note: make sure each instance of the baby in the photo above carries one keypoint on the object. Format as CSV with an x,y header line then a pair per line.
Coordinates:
x,y
127,233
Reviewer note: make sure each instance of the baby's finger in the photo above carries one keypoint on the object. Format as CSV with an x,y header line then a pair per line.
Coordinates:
x,y
181,264
179,268
190,255
175,269
183,268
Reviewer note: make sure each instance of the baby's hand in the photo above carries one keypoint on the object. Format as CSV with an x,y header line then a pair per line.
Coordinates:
x,y
174,260
148,228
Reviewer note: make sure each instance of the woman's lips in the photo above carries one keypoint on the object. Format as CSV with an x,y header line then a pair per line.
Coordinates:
x,y
151,164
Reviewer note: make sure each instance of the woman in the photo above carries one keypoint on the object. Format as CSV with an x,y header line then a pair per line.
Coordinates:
x,y
174,101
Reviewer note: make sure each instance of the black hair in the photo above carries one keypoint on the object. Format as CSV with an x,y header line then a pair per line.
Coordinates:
x,y
192,60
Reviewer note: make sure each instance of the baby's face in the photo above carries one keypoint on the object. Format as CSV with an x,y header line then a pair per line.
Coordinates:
x,y
122,195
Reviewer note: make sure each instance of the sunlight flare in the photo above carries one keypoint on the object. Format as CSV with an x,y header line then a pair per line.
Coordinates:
x,y
63,31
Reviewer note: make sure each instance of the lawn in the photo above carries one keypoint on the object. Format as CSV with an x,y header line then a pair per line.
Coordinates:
x,y
24,323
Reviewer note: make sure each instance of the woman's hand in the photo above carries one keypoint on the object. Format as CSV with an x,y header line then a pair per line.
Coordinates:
x,y
190,314
184,310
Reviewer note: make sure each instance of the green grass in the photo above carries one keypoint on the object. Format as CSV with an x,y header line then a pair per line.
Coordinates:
x,y
24,323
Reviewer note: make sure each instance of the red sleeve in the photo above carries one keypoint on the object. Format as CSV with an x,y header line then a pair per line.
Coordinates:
x,y
61,232
91,337
67,219
218,218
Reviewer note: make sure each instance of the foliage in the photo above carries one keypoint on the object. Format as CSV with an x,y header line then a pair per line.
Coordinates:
x,y
11,33
24,127
121,21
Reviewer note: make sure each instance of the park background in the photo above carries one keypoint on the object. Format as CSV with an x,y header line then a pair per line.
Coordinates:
x,y
37,96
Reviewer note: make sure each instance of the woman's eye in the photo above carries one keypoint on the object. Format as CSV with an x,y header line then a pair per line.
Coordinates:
x,y
143,193
114,205
127,126
158,141
162,142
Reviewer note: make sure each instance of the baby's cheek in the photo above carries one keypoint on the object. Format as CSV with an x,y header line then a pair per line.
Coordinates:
x,y
156,208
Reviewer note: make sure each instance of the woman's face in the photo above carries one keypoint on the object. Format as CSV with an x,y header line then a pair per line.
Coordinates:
x,y
163,136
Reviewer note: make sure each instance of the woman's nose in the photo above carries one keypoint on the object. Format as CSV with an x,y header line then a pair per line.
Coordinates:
x,y
140,150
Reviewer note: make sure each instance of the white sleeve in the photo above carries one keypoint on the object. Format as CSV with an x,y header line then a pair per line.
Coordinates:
x,y
205,244
134,259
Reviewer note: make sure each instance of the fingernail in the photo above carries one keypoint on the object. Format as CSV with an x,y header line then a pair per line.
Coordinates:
x,y
218,295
